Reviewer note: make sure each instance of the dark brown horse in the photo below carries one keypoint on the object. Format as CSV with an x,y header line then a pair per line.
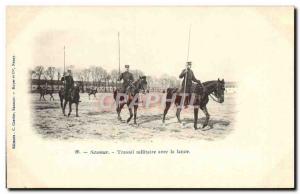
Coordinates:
x,y
198,99
45,91
130,98
71,97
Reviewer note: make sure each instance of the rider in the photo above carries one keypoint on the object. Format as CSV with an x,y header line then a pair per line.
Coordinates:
x,y
127,78
68,81
190,77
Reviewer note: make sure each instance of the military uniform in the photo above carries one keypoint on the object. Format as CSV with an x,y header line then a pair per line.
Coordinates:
x,y
190,78
127,78
69,84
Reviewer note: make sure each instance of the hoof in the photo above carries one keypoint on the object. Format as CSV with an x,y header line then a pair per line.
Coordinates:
x,y
195,127
77,115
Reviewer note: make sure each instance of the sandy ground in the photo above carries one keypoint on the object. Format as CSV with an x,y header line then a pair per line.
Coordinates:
x,y
94,122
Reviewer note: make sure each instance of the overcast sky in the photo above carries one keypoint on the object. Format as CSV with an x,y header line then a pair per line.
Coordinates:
x,y
153,39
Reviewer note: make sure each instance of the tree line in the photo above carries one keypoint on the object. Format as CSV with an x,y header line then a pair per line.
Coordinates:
x,y
96,76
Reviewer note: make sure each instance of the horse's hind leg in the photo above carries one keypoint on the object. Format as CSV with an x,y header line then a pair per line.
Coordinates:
x,y
168,105
195,117
204,109
135,112
178,113
130,114
70,108
76,109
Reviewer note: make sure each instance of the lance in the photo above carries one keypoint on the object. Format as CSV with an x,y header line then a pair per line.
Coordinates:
x,y
119,51
64,74
119,55
187,58
119,58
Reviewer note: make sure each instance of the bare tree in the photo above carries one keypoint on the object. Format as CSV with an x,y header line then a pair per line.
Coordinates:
x,y
94,75
114,75
39,70
137,73
79,76
49,74
104,76
31,74
58,75
86,76
166,81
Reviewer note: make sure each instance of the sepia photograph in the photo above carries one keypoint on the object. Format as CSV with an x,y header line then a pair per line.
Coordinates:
x,y
163,96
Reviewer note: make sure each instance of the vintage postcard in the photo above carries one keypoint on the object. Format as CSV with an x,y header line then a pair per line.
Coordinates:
x,y
150,97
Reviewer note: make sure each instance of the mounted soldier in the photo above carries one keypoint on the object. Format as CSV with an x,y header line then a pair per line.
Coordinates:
x,y
127,78
188,78
68,81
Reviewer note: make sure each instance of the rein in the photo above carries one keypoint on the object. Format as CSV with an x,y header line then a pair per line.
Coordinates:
x,y
214,97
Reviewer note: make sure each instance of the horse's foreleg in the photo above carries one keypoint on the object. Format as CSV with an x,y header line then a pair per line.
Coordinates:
x,y
135,112
204,109
64,108
70,108
130,111
44,97
178,114
119,109
168,105
77,110
61,103
195,117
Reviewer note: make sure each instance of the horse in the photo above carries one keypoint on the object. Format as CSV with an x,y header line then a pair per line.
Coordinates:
x,y
61,94
93,92
72,97
130,98
45,91
199,100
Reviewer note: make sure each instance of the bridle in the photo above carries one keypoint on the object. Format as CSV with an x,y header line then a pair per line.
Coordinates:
x,y
215,96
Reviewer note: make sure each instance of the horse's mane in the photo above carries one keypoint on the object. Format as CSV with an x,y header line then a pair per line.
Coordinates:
x,y
136,81
209,82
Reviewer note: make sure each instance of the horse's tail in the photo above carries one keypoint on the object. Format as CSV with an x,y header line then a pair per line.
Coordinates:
x,y
169,96
170,92
169,99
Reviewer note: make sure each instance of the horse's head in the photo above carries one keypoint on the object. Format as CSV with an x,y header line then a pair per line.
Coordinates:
x,y
76,88
219,90
142,83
